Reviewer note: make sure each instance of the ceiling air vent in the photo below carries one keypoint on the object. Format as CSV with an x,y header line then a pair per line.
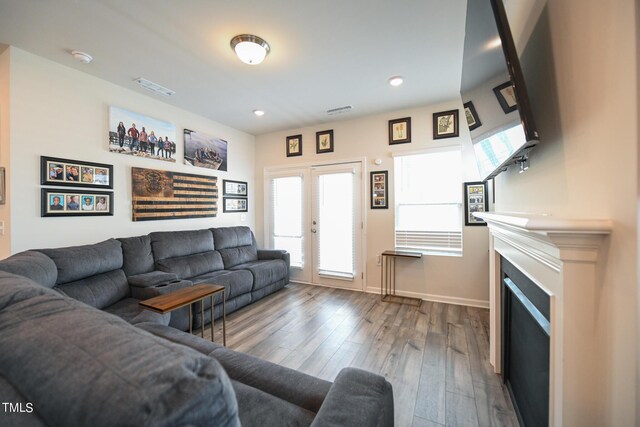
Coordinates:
x,y
154,87
339,110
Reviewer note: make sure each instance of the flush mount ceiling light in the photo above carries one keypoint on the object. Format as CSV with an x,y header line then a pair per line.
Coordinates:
x,y
250,49
83,57
396,81
258,113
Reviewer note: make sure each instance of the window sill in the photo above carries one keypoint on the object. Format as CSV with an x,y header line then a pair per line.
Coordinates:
x,y
338,276
456,254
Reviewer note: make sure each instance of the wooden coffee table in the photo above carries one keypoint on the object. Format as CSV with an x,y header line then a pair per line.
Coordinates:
x,y
187,296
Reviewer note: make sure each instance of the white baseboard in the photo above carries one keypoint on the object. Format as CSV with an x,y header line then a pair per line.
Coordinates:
x,y
436,298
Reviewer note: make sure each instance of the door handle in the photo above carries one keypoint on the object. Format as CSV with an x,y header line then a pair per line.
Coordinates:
x,y
313,230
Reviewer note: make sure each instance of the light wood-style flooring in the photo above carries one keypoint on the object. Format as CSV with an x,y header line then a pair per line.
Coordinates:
x,y
435,356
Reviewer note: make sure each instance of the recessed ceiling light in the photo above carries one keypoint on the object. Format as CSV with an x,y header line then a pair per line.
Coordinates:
x,y
396,81
258,113
83,57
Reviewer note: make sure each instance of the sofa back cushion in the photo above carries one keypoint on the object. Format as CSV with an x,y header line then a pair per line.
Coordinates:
x,y
186,253
137,255
34,265
99,291
98,370
79,262
237,245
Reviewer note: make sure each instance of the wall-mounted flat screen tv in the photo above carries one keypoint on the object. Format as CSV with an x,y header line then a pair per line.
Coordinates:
x,y
493,91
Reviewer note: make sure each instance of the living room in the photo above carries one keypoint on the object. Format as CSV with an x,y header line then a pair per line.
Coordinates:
x,y
581,72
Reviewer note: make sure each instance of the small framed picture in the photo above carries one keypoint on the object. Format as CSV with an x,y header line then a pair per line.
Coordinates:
x,y
476,199
506,97
400,131
445,124
60,202
235,204
324,141
75,173
294,145
379,185
472,116
234,188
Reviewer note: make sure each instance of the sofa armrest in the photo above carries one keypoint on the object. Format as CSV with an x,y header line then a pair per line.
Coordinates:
x,y
357,398
265,254
158,288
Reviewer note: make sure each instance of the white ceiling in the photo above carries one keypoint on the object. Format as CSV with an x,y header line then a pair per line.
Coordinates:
x,y
324,53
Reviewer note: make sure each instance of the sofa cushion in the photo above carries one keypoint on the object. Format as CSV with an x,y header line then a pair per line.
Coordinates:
x,y
129,310
235,244
235,283
34,265
151,279
81,366
99,291
28,418
137,255
170,244
265,272
188,266
77,262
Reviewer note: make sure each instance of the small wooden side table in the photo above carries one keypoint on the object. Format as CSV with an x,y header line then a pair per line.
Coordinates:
x,y
388,277
187,296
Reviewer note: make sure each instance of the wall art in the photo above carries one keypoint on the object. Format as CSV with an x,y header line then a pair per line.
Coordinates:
x,y
67,202
234,188
160,195
445,124
379,184
476,199
141,136
75,173
324,141
294,145
506,97
235,204
204,151
472,116
400,131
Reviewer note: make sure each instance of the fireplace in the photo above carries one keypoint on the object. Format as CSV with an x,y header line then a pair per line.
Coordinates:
x,y
525,350
558,258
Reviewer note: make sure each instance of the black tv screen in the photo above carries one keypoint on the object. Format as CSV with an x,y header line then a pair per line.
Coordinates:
x,y
493,91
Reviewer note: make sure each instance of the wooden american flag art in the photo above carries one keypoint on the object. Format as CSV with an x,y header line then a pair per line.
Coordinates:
x,y
172,195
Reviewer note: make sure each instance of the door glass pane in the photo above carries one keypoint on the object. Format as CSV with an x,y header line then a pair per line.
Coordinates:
x,y
287,217
336,223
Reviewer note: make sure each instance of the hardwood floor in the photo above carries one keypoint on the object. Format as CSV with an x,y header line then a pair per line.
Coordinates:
x,y
435,356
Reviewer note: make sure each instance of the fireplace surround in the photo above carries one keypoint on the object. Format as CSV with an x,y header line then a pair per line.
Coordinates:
x,y
560,256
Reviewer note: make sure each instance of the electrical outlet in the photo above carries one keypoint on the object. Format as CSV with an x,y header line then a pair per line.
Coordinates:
x,y
378,259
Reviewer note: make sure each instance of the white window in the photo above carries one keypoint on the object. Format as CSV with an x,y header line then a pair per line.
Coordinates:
x,y
286,217
428,201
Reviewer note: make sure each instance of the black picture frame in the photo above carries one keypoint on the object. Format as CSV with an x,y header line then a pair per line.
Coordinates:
x,y
400,131
379,189
235,204
234,188
473,121
506,100
294,145
64,195
63,177
321,141
446,124
476,199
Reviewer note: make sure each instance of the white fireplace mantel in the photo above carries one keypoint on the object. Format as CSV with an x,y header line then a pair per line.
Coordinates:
x,y
560,255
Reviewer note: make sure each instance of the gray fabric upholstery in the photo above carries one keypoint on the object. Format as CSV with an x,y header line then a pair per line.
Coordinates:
x,y
265,272
260,409
129,310
80,366
235,244
357,398
287,384
28,418
235,282
179,317
34,265
78,262
269,289
188,266
232,305
137,255
170,244
151,279
98,291
195,342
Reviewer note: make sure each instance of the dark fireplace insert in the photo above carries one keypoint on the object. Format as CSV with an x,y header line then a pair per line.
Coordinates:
x,y
525,345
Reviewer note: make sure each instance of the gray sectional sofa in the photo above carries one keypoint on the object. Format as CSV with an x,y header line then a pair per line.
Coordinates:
x,y
76,346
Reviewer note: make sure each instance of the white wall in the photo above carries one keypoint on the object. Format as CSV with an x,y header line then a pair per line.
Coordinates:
x,y
60,112
581,67
5,238
453,279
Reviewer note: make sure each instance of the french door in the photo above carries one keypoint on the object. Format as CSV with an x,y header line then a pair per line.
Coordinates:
x,y
315,213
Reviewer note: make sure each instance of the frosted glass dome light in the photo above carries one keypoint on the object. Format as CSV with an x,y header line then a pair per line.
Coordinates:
x,y
250,49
